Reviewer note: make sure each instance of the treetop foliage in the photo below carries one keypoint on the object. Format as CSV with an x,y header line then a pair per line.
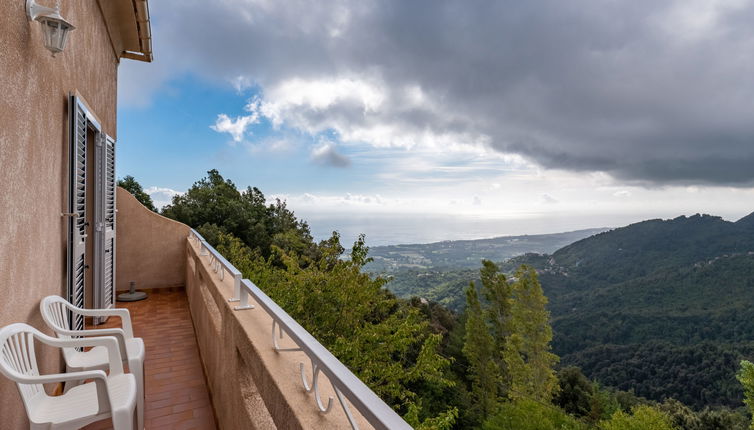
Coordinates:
x,y
130,184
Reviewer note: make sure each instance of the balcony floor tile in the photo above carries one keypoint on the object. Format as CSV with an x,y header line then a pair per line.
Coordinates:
x,y
176,389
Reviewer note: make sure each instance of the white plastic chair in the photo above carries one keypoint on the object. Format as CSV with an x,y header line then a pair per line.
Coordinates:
x,y
54,311
112,395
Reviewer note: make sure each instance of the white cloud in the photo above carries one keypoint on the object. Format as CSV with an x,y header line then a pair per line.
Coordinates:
x,y
235,127
162,196
365,109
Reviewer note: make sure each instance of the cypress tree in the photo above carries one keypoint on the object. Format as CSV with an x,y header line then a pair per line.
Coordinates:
x,y
745,376
527,353
479,350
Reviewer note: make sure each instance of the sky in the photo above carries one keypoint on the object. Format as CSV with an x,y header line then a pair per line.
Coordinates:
x,y
433,120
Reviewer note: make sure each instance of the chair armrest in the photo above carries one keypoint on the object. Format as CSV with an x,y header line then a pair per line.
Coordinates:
x,y
109,342
125,317
117,333
60,377
98,376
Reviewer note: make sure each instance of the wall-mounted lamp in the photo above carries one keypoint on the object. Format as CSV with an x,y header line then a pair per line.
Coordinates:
x,y
54,26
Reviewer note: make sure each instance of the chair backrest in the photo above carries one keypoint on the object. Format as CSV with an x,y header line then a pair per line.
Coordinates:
x,y
56,312
18,360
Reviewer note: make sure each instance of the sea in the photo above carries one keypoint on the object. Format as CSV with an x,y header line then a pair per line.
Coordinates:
x,y
394,229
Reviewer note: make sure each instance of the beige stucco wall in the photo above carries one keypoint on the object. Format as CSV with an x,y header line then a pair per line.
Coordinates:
x,y
33,158
150,249
252,385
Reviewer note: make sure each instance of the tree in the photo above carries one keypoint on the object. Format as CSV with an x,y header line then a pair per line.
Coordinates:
x,y
722,419
575,393
604,402
525,414
746,377
479,350
497,292
643,417
527,351
681,416
246,215
130,184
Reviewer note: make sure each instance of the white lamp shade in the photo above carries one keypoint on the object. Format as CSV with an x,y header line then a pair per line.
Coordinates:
x,y
55,30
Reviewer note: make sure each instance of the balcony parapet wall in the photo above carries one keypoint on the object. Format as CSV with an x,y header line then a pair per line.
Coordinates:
x,y
150,249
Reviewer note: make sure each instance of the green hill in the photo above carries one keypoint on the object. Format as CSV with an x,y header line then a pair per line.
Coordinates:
x,y
663,307
643,248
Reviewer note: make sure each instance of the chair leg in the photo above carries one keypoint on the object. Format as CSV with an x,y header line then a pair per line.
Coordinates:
x,y
136,367
123,420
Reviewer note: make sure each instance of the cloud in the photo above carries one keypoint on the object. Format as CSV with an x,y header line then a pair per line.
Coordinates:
x,y
351,201
548,199
241,83
647,92
272,145
162,196
235,127
326,154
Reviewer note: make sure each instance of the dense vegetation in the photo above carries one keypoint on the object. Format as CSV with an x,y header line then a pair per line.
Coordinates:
x,y
658,307
661,307
674,329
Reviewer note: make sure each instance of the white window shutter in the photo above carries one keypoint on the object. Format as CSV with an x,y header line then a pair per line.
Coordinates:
x,y
104,231
77,208
108,270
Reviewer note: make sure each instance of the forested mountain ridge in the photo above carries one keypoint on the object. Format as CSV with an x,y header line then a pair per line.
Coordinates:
x,y
643,248
661,307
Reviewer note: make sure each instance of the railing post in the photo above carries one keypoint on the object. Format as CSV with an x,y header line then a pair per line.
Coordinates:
x,y
244,299
236,288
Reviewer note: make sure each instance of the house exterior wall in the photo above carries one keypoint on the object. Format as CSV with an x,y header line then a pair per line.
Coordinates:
x,y
34,89
150,249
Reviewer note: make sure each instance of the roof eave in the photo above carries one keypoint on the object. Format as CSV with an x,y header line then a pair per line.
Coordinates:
x,y
129,28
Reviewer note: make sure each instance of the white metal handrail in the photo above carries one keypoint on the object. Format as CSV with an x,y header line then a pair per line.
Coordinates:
x,y
347,386
220,265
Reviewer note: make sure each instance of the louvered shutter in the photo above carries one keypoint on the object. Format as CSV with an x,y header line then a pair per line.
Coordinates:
x,y
77,209
110,224
104,269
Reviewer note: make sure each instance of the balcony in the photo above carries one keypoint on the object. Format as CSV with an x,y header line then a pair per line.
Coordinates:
x,y
260,368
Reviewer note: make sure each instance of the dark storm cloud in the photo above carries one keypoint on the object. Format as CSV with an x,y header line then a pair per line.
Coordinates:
x,y
648,91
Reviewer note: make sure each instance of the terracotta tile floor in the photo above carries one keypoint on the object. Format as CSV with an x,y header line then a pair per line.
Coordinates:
x,y
176,391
